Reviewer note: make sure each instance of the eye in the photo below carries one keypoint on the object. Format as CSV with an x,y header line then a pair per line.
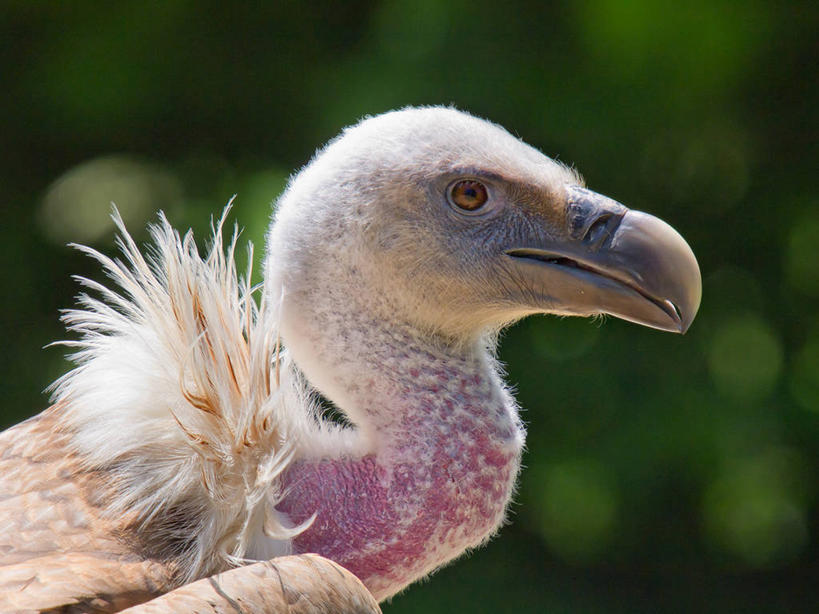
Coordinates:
x,y
468,194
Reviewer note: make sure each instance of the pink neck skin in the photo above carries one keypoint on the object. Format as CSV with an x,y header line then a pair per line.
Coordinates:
x,y
447,441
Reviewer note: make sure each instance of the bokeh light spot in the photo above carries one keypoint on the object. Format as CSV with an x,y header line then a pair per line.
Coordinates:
x,y
755,511
693,41
745,358
77,206
708,171
804,380
577,502
801,259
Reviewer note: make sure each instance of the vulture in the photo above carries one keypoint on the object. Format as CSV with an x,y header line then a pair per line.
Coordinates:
x,y
186,463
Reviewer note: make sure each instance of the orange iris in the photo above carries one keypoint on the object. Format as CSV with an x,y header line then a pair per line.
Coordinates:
x,y
468,194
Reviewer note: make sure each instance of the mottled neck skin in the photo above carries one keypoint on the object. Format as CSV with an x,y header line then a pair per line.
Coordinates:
x,y
440,445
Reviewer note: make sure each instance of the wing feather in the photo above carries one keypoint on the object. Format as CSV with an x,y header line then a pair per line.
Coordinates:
x,y
303,584
58,550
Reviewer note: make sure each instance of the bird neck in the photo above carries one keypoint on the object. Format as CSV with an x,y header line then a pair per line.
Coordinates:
x,y
440,446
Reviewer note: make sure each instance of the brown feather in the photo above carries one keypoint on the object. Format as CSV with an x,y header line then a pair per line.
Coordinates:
x,y
60,553
57,550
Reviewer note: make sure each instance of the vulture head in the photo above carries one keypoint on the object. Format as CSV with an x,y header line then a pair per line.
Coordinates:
x,y
449,223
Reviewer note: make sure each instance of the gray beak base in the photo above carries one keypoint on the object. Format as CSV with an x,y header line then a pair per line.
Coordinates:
x,y
624,263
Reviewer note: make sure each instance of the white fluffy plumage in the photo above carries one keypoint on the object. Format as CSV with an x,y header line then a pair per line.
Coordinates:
x,y
182,393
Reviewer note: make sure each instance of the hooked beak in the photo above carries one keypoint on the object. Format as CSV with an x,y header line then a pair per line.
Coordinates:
x,y
624,263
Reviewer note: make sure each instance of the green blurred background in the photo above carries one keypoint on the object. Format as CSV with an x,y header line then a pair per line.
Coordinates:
x,y
664,473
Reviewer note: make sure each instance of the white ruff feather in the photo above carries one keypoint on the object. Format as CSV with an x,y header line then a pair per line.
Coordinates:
x,y
180,392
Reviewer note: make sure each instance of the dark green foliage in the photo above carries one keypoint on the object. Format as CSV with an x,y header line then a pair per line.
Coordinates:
x,y
665,473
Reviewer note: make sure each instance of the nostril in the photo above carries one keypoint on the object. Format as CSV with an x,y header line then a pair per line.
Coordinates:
x,y
600,230
593,219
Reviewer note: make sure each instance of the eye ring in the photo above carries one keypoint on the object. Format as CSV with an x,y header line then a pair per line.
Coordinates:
x,y
468,195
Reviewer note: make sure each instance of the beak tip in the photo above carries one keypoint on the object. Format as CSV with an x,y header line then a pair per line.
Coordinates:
x,y
687,313
690,311
673,267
